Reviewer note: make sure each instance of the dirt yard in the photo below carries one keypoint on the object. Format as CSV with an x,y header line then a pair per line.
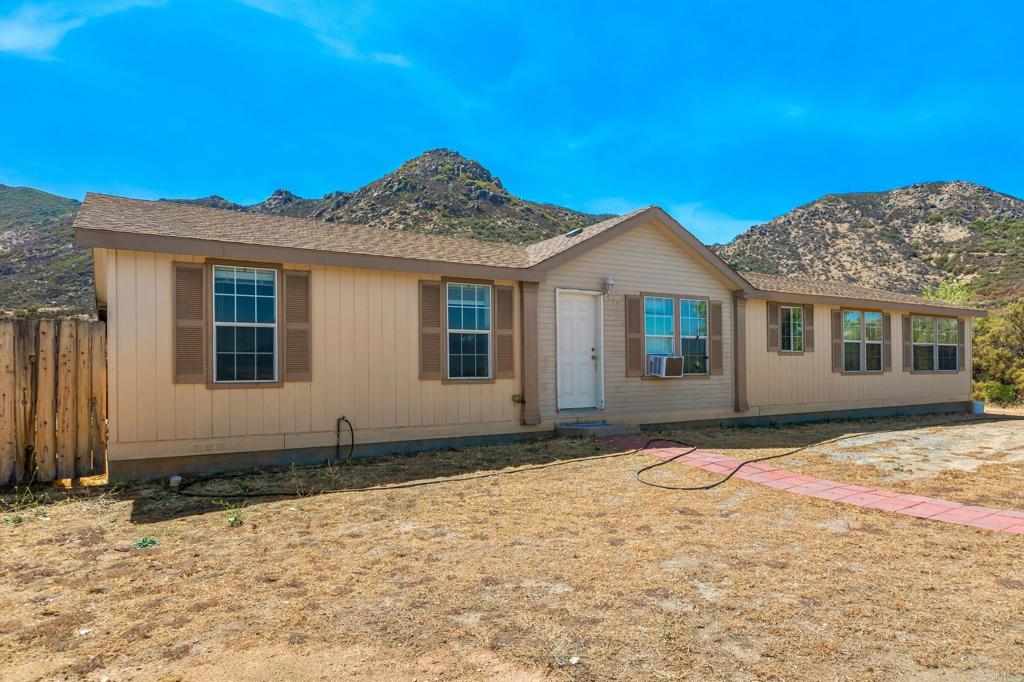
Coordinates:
x,y
574,571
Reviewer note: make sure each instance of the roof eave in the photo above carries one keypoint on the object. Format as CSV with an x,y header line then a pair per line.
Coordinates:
x,y
852,301
135,241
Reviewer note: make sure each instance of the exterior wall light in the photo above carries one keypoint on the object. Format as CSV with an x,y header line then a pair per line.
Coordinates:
x,y
609,287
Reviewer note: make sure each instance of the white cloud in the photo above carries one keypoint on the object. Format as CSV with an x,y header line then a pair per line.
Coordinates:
x,y
709,225
334,25
34,29
613,205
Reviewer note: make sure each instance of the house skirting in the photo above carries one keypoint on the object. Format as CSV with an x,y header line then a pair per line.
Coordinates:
x,y
212,463
222,462
955,407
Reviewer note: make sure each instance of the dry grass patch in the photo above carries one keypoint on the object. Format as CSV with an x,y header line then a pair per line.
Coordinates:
x,y
569,572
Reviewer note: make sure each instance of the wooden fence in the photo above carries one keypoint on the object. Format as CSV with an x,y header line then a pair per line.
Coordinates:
x,y
53,399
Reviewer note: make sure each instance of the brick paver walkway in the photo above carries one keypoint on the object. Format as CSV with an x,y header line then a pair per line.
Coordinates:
x,y
767,474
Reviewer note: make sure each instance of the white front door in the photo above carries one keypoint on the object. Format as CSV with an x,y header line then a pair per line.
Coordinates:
x,y
579,354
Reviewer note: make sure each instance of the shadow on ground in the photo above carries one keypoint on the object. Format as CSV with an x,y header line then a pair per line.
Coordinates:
x,y
789,436
155,502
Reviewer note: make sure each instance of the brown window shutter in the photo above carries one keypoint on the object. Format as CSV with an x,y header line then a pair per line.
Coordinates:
x,y
298,340
504,347
837,340
908,347
189,323
715,337
634,336
961,346
430,329
773,327
886,342
809,328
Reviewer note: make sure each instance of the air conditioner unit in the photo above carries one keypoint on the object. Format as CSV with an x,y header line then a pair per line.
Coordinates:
x,y
664,366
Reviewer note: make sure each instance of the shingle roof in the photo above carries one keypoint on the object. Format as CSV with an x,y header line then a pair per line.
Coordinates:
x,y
172,219
541,251
111,214
813,287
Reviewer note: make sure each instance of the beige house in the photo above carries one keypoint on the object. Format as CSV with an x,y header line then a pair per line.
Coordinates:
x,y
239,339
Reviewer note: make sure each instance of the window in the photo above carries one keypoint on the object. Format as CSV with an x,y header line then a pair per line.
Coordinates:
x,y
659,329
862,341
791,329
693,335
873,342
244,324
469,331
935,341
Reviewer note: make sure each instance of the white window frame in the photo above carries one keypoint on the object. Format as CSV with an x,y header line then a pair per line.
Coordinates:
x,y
867,342
449,331
707,332
273,325
864,343
672,332
792,337
935,344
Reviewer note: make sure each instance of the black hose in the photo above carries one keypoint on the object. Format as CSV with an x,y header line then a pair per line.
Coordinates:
x,y
182,490
709,486
351,440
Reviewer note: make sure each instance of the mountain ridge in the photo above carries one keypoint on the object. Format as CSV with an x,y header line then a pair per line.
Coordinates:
x,y
438,192
903,239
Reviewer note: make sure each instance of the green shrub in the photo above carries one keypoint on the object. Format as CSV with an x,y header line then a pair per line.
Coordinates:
x,y
950,291
995,392
999,346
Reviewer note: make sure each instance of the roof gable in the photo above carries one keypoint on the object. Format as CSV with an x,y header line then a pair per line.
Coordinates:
x,y
553,252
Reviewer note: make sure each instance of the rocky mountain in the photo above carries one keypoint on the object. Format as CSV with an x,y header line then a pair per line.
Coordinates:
x,y
39,265
439,192
903,239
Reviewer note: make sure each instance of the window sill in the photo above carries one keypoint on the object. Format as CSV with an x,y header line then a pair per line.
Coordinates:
x,y
935,371
219,385
456,382
650,377
865,372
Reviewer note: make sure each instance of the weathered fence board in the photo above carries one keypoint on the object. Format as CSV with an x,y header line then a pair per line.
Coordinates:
x,y
44,426
53,419
25,334
8,428
83,413
98,401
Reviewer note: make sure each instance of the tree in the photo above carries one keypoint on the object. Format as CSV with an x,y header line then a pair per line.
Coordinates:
x,y
999,346
949,290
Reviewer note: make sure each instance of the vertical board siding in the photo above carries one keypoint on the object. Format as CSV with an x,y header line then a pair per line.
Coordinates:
x,y
365,352
646,259
791,383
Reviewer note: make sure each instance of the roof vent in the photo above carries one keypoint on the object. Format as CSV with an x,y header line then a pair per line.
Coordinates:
x,y
573,233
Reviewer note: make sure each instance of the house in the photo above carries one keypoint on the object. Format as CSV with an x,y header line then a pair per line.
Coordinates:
x,y
238,339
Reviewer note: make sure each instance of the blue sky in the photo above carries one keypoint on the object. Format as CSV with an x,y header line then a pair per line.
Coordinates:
x,y
724,113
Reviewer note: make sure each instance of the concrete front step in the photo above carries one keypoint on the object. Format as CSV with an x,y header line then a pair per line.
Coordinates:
x,y
595,429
